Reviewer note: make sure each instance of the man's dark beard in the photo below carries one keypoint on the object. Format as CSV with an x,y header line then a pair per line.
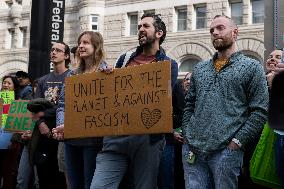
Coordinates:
x,y
148,43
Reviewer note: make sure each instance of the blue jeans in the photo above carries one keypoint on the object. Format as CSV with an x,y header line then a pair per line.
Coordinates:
x,y
166,171
279,157
134,155
219,170
80,165
25,175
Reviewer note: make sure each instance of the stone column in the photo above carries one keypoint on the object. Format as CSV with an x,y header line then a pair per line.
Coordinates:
x,y
124,25
246,12
15,13
83,17
190,14
17,37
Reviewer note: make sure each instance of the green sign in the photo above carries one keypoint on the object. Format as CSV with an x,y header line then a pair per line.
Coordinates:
x,y
4,118
7,96
19,118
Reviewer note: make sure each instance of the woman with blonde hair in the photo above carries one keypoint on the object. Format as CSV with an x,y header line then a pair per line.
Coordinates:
x,y
80,154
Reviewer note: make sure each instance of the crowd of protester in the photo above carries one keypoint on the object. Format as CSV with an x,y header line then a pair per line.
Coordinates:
x,y
219,112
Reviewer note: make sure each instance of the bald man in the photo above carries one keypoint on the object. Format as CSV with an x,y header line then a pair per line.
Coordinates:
x,y
225,108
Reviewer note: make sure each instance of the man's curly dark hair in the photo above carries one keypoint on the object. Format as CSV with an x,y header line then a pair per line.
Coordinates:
x,y
158,24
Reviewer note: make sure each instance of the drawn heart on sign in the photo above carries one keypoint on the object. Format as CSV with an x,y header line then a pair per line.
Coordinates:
x,y
150,118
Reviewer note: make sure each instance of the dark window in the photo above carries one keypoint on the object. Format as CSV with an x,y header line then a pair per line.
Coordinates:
x,y
188,64
181,19
257,11
201,17
237,12
133,18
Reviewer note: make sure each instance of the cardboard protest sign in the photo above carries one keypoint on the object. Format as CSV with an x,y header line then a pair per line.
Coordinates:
x,y
132,100
7,98
19,118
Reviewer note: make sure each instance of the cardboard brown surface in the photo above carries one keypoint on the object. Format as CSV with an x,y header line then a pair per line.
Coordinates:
x,y
19,118
132,100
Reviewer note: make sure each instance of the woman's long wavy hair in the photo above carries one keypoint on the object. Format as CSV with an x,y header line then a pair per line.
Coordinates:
x,y
99,52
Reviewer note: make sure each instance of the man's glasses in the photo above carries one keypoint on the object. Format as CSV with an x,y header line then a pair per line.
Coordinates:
x,y
56,50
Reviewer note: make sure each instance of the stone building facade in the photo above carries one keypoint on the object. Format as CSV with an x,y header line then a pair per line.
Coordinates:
x,y
187,21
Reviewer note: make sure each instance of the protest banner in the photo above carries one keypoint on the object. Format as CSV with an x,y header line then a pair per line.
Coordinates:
x,y
132,100
8,97
19,118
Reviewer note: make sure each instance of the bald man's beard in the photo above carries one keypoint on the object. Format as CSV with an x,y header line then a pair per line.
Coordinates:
x,y
223,43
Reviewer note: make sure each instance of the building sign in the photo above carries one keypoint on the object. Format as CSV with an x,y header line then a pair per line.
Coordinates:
x,y
47,27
